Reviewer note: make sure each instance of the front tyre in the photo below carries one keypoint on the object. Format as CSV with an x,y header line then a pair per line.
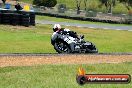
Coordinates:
x,y
91,48
92,51
62,47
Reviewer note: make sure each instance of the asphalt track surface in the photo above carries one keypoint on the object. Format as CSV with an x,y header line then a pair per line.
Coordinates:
x,y
104,26
56,54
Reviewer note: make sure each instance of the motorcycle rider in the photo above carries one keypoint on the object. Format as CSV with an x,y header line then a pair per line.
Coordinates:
x,y
58,30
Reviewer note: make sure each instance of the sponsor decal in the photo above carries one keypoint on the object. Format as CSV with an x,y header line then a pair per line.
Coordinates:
x,y
83,78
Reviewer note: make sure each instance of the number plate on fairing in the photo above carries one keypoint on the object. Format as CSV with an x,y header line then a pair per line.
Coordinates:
x,y
69,40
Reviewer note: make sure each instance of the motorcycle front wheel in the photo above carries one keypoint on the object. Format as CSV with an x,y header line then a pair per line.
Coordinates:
x,y
91,48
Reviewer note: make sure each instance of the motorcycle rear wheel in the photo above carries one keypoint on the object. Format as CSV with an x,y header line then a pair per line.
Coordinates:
x,y
62,47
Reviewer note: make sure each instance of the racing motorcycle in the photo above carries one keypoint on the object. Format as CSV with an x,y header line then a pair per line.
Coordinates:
x,y
63,42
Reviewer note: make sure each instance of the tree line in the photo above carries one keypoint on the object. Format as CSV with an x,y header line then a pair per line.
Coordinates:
x,y
109,4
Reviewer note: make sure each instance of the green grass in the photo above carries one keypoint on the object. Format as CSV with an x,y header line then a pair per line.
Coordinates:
x,y
16,39
59,76
25,40
94,4
55,19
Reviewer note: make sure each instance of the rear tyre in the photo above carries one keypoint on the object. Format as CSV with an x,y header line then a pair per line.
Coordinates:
x,y
62,47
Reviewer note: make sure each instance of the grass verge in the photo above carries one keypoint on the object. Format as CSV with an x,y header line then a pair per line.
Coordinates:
x,y
59,76
17,39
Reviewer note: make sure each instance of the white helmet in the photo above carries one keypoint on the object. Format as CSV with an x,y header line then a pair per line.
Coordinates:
x,y
56,27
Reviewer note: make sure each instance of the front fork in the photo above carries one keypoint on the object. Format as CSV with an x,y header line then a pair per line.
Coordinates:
x,y
74,47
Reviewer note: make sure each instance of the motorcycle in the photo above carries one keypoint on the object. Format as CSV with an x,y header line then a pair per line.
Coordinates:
x,y
64,43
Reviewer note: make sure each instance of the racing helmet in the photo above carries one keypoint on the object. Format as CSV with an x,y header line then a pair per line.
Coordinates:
x,y
56,27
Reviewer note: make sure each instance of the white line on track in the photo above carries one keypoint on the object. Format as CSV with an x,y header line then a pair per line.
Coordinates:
x,y
79,26
91,27
105,28
118,29
130,30
67,25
